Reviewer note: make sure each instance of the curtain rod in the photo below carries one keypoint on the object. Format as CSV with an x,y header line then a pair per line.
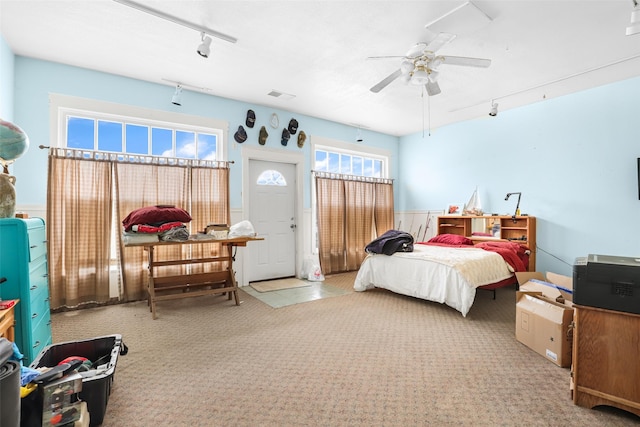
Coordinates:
x,y
93,155
346,177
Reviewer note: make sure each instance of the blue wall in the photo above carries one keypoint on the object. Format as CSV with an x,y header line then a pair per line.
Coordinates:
x,y
573,158
36,79
6,81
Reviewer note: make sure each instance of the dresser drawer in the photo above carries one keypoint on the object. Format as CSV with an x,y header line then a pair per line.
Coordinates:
x,y
37,243
41,335
39,282
39,309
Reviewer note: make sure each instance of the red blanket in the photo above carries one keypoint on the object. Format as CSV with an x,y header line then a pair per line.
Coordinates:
x,y
513,253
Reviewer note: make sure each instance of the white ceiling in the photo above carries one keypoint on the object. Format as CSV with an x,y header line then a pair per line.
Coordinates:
x,y
318,50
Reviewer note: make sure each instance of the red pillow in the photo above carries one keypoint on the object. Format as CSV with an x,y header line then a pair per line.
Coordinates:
x,y
155,215
451,239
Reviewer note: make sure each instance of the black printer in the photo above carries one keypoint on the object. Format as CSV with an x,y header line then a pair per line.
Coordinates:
x,y
607,281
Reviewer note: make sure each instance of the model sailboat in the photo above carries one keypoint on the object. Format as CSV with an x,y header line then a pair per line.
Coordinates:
x,y
473,206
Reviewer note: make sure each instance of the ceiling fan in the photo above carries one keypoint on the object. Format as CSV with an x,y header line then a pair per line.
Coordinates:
x,y
420,65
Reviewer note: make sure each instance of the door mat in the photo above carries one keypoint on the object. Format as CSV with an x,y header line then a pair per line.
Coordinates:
x,y
279,284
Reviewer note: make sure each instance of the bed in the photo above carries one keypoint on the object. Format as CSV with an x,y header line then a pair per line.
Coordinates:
x,y
447,269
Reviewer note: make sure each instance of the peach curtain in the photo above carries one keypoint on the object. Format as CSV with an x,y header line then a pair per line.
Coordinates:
x,y
138,186
202,191
351,212
78,224
90,193
209,205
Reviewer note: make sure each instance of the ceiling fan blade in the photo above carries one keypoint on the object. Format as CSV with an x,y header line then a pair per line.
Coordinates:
x,y
440,40
433,88
385,82
469,62
386,57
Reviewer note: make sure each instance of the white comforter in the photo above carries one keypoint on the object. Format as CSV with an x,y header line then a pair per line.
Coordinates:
x,y
435,273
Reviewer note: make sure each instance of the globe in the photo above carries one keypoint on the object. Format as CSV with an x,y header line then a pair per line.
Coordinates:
x,y
14,142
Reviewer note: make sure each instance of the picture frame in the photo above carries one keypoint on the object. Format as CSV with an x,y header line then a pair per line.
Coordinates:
x,y
454,209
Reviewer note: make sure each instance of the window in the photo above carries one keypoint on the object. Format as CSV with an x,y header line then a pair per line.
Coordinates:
x,y
91,125
335,160
136,136
271,177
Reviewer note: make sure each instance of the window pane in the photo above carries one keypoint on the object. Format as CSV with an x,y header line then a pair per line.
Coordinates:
x,y
368,167
321,161
345,163
185,144
207,146
137,139
271,177
109,136
377,168
80,133
161,142
356,165
334,162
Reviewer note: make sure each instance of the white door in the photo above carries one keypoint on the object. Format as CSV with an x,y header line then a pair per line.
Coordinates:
x,y
272,196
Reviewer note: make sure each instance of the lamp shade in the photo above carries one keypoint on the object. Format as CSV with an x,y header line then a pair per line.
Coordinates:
x,y
420,77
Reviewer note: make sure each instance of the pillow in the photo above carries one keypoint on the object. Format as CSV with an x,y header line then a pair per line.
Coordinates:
x,y
451,239
155,215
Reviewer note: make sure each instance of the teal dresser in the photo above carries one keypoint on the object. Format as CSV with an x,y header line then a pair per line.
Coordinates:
x,y
23,262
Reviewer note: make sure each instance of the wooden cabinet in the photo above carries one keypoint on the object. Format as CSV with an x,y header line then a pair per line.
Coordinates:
x,y
8,322
605,369
521,229
23,262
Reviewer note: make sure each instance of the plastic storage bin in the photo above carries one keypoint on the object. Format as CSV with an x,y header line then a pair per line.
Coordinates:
x,y
103,352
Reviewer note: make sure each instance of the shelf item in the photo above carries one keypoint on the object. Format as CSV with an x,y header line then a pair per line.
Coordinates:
x,y
519,229
23,262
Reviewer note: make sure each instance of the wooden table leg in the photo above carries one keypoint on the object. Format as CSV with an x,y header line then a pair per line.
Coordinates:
x,y
232,276
151,287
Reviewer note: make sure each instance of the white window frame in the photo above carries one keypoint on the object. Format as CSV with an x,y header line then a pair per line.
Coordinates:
x,y
62,106
358,150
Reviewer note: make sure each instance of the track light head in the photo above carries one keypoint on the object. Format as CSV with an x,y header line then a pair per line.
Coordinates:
x,y
204,49
634,28
177,96
494,109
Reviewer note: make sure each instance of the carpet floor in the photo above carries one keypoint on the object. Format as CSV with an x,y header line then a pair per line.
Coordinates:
x,y
369,358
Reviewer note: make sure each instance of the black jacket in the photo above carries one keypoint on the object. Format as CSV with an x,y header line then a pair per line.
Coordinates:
x,y
391,242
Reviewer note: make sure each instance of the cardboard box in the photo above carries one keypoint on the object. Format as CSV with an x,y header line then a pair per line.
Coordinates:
x,y
218,231
544,314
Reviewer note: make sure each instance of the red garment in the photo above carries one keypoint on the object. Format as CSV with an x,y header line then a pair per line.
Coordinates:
x,y
143,228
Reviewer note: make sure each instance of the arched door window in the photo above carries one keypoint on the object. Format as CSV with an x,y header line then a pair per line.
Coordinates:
x,y
271,177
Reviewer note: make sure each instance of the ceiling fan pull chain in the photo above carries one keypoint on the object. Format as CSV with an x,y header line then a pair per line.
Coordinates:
x,y
422,96
429,112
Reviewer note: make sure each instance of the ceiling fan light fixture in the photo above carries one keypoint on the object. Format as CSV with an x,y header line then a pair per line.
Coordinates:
x,y
204,49
420,76
407,66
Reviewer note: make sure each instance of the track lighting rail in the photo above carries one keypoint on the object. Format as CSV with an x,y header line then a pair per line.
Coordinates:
x,y
179,21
